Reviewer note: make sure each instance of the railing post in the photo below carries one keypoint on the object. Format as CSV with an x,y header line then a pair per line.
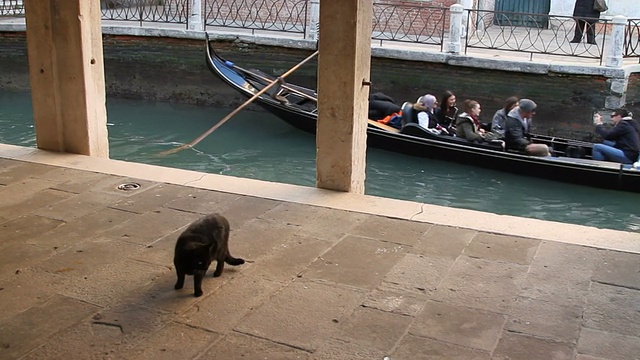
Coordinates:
x,y
467,5
616,48
195,18
455,29
313,21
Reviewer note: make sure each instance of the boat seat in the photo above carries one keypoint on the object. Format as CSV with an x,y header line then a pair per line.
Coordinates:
x,y
264,77
408,114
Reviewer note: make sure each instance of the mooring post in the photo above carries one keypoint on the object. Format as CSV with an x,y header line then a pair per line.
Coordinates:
x,y
195,21
313,22
455,29
616,48
466,5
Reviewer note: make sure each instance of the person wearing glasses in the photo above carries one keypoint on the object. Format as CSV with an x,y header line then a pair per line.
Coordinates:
x,y
621,142
517,130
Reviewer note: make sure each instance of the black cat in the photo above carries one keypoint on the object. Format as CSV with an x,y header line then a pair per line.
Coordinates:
x,y
205,240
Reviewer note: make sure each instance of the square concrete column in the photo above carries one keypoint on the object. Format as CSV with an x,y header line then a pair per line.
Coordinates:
x,y
343,65
66,71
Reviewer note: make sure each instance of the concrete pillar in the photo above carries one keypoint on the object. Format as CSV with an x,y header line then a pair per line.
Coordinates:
x,y
343,65
66,71
616,41
313,22
455,29
196,18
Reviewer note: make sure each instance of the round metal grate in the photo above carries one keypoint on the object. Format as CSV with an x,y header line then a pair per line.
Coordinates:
x,y
129,186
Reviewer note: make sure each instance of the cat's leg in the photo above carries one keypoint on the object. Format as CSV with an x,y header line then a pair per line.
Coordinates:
x,y
181,273
198,275
219,267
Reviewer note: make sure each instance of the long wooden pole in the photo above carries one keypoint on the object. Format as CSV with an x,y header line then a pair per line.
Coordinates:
x,y
237,110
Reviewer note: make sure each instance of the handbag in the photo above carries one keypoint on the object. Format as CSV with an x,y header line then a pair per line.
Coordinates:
x,y
600,6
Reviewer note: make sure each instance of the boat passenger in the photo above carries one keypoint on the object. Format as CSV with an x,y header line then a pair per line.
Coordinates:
x,y
426,111
500,117
447,113
468,125
517,130
621,143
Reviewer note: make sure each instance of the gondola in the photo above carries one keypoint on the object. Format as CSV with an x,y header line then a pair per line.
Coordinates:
x,y
297,106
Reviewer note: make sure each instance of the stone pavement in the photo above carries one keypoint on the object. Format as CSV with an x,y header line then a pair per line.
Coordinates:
x,y
86,273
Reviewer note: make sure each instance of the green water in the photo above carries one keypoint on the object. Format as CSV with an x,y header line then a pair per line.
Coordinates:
x,y
258,145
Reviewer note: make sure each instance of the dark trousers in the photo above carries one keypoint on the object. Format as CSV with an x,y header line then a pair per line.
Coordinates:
x,y
590,24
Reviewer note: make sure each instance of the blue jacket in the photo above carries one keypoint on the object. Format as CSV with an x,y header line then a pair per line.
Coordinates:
x,y
625,134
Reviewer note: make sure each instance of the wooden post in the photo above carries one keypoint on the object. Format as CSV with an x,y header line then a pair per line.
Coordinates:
x,y
66,71
343,70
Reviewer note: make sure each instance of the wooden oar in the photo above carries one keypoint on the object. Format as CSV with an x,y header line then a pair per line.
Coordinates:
x,y
237,110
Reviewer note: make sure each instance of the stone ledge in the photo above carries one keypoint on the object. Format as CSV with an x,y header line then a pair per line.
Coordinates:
x,y
393,208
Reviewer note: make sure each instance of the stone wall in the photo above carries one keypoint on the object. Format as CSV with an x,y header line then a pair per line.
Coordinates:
x,y
169,69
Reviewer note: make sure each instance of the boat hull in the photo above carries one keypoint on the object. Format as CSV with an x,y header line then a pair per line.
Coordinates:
x,y
577,171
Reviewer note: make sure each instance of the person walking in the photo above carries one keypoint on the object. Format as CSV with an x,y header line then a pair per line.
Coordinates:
x,y
621,143
585,15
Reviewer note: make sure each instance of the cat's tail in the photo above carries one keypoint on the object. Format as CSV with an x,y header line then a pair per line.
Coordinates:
x,y
233,261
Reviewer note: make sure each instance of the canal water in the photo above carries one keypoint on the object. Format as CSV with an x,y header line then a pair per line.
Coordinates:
x,y
258,145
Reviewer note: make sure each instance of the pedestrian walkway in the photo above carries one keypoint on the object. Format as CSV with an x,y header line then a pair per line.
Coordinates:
x,y
86,273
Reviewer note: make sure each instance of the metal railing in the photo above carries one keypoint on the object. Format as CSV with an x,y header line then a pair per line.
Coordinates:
x,y
631,47
268,15
11,8
544,34
409,23
155,11
534,34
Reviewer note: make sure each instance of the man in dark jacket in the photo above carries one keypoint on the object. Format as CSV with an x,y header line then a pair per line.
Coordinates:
x,y
517,130
622,142
585,15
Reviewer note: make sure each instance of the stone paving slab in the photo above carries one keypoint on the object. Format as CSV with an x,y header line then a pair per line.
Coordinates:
x,y
302,315
97,282
545,320
22,333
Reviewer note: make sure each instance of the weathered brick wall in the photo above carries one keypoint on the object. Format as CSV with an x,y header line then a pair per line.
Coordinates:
x,y
633,94
410,18
14,68
165,69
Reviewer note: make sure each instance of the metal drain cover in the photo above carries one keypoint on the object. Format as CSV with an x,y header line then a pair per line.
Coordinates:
x,y
129,186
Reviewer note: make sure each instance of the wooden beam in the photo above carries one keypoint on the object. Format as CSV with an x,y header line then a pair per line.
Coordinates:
x,y
66,71
343,97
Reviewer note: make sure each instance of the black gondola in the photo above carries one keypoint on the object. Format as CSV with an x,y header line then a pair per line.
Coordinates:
x,y
298,106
